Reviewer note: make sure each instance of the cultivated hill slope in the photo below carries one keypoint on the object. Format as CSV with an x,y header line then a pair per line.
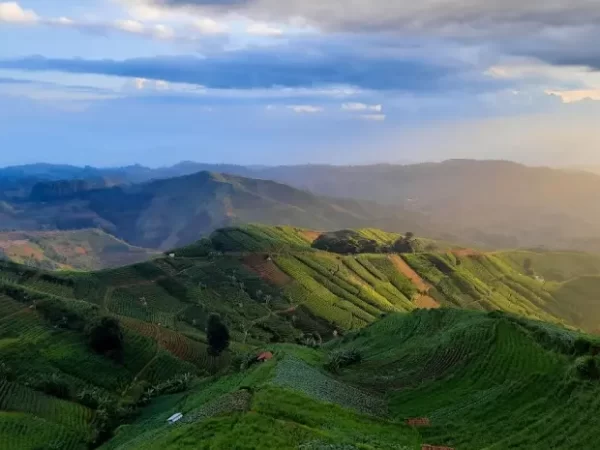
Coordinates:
x,y
66,250
275,291
177,211
270,284
478,381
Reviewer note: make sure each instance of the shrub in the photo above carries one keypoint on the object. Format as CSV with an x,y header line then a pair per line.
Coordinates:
x,y
587,368
106,337
92,397
342,358
582,346
54,386
217,334
6,373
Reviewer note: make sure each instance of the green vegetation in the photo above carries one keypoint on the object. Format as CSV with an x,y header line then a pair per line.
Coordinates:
x,y
104,358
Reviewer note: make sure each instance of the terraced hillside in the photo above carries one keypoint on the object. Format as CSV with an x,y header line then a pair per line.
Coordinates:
x,y
270,285
67,250
275,291
464,380
55,392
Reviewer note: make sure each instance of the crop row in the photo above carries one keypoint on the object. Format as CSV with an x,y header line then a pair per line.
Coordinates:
x,y
14,397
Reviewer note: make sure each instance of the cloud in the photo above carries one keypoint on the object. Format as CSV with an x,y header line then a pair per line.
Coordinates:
x,y
11,12
574,96
305,109
313,62
263,29
361,107
555,31
373,117
448,16
209,26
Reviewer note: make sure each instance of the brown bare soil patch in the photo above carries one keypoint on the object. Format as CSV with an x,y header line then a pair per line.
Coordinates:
x,y
427,302
408,272
80,251
310,236
266,269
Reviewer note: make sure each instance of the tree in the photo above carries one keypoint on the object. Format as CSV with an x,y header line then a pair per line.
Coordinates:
x,y
106,337
217,334
409,236
528,266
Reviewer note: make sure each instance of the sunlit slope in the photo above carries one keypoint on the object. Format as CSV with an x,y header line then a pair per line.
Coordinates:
x,y
269,284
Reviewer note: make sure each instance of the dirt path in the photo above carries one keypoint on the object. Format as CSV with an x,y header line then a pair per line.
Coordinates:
x,y
107,296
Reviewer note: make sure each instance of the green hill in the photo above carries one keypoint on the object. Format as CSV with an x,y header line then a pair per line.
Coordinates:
x,y
503,342
481,381
66,250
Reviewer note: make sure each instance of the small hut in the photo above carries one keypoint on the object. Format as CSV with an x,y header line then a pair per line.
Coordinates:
x,y
264,357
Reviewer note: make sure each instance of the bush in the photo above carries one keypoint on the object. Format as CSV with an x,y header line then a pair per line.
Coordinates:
x,y
582,346
92,397
106,337
342,358
59,314
587,368
54,386
6,373
217,334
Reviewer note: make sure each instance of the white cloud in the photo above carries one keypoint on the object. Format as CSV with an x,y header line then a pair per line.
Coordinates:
x,y
574,96
208,26
354,107
305,109
162,32
13,13
65,21
143,84
131,26
263,29
373,117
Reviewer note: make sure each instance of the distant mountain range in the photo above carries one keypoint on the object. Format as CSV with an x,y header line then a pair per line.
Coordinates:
x,y
176,211
482,203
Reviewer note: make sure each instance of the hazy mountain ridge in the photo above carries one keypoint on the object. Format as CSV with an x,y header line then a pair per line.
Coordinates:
x,y
485,203
172,212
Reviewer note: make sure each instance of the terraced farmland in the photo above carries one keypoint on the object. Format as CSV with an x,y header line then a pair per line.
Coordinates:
x,y
465,366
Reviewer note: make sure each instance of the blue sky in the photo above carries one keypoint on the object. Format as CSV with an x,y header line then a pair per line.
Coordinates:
x,y
111,82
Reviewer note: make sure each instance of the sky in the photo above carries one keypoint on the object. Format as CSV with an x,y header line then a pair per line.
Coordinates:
x,y
114,82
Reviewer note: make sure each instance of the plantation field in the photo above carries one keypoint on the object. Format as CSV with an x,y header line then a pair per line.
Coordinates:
x,y
483,381
468,365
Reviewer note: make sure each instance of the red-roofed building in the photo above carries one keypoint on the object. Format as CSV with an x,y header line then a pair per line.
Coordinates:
x,y
264,356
